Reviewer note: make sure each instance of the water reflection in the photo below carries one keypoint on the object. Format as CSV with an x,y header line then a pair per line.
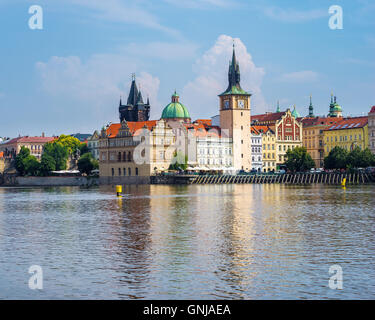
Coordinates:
x,y
198,242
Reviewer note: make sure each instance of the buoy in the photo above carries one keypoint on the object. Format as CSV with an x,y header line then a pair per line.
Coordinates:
x,y
343,182
119,190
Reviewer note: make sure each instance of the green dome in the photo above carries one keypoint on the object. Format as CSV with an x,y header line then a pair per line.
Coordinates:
x,y
337,107
175,110
295,113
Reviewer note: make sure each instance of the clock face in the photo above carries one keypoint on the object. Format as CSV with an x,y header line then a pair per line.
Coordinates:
x,y
241,104
226,104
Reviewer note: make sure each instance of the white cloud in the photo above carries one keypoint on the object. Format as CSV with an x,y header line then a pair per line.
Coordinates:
x,y
88,92
292,15
300,76
200,95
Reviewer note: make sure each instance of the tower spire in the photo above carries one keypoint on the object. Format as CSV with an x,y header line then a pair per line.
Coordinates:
x,y
311,108
278,106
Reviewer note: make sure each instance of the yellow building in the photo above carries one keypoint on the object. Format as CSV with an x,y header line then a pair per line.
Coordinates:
x,y
313,136
131,152
268,147
371,129
347,134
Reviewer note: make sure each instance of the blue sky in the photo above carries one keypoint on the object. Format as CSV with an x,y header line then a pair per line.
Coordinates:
x,y
69,76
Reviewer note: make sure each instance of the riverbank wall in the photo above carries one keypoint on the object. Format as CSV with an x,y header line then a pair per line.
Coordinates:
x,y
12,180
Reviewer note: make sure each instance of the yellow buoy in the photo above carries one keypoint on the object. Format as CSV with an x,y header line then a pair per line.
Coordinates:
x,y
118,190
343,182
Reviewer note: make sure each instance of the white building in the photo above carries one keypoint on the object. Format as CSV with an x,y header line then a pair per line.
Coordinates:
x,y
93,144
256,150
213,150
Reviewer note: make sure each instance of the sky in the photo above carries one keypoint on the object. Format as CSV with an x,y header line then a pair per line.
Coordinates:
x,y
68,77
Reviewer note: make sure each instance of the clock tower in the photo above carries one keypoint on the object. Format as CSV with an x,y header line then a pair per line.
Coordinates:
x,y
235,117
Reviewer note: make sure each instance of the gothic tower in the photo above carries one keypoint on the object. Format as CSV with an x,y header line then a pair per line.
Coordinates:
x,y
135,109
235,116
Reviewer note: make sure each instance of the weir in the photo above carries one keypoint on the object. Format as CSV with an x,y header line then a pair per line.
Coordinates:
x,y
288,178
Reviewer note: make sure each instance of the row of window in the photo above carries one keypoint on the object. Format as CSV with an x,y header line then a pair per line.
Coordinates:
x,y
345,138
124,172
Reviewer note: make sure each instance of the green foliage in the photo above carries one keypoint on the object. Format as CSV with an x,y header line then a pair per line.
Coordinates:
x,y
83,148
336,159
20,160
58,152
339,158
179,161
299,160
87,163
47,164
71,143
32,165
354,158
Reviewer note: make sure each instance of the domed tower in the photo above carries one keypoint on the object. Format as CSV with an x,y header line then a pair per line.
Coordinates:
x,y
176,111
295,113
335,109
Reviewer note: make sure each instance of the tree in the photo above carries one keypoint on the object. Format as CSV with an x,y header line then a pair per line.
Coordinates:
x,y
354,158
71,143
367,158
336,159
179,161
83,148
58,152
32,165
299,160
47,164
87,163
20,163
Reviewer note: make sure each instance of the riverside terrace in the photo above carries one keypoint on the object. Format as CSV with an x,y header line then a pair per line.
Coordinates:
x,y
331,178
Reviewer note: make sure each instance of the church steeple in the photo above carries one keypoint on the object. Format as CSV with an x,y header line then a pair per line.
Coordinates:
x,y
234,77
133,94
278,106
311,108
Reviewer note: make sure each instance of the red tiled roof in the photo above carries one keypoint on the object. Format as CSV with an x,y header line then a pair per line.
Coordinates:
x,y
207,122
372,109
307,122
261,129
349,123
113,129
203,130
273,116
28,139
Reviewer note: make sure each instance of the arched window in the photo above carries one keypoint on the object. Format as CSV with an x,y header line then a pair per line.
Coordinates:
x,y
136,171
129,171
113,172
124,156
119,171
124,170
119,157
129,156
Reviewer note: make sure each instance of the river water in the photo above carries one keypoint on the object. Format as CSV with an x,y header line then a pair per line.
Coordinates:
x,y
188,242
